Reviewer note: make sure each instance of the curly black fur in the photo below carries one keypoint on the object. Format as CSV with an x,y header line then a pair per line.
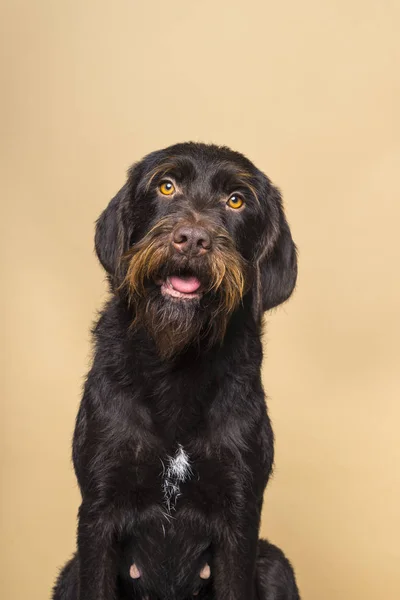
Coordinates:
x,y
158,389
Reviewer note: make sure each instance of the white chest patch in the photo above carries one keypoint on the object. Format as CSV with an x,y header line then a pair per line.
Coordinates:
x,y
176,471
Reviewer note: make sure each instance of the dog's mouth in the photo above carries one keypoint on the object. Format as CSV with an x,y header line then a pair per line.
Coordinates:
x,y
184,287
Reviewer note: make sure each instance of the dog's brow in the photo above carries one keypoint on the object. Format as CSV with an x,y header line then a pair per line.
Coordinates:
x,y
252,189
244,174
243,179
162,169
178,167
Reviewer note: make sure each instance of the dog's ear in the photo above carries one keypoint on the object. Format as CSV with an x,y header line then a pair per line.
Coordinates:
x,y
276,263
112,235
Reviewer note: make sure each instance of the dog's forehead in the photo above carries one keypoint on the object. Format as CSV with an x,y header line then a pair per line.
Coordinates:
x,y
203,164
206,154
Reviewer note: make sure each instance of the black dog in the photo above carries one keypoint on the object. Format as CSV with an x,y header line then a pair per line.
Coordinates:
x,y
173,447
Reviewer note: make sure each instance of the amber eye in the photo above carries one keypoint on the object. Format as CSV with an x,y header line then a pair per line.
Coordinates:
x,y
166,188
235,201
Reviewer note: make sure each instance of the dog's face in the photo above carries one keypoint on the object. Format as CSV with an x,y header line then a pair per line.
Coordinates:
x,y
194,230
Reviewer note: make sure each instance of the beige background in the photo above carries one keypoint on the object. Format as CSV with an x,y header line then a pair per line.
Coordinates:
x,y
310,91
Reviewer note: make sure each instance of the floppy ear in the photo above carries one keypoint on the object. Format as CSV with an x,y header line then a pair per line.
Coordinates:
x,y
112,235
276,266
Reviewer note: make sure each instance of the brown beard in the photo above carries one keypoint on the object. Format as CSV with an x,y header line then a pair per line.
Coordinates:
x,y
175,324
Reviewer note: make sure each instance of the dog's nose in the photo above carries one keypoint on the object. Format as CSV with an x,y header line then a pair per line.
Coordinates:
x,y
191,240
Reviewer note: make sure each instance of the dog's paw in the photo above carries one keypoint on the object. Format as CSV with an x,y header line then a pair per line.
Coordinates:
x,y
134,572
205,573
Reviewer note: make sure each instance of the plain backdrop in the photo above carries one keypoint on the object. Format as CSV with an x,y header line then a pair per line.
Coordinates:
x,y
310,91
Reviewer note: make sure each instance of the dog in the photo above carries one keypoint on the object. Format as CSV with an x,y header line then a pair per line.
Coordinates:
x,y
173,447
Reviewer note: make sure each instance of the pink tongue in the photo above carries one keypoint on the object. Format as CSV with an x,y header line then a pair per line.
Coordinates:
x,y
185,285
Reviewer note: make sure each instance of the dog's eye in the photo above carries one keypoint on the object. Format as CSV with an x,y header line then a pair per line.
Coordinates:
x,y
166,188
235,201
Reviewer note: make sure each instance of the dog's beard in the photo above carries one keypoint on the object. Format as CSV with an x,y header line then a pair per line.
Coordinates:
x,y
173,324
176,323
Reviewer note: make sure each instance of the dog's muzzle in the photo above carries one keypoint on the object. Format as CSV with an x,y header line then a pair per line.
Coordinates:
x,y
184,280
190,242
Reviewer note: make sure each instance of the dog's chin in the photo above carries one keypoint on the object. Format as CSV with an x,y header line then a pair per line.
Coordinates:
x,y
178,313
182,308
173,318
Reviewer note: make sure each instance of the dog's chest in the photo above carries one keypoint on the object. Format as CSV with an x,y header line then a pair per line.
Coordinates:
x,y
176,471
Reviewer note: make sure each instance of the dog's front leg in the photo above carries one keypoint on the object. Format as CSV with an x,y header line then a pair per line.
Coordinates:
x,y
235,564
97,553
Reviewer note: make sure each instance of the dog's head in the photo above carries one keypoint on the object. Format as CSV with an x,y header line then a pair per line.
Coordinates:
x,y
195,229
